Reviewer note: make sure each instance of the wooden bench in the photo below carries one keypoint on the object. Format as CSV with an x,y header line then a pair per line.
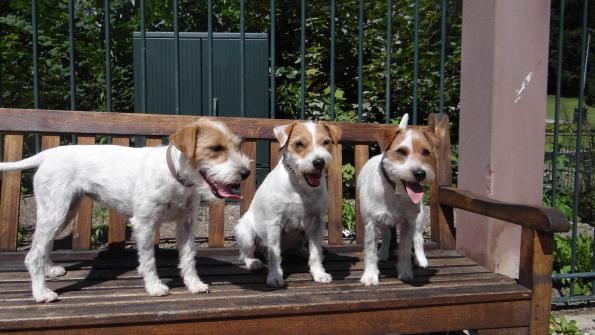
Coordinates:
x,y
102,292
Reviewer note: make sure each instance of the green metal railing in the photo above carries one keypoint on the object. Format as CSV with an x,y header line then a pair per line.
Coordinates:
x,y
574,274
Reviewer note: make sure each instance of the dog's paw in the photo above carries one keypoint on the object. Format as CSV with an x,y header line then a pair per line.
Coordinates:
x,y
45,295
383,254
196,286
322,277
405,273
421,261
157,289
275,280
253,264
54,271
369,278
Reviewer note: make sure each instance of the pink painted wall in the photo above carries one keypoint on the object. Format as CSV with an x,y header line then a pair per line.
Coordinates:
x,y
502,121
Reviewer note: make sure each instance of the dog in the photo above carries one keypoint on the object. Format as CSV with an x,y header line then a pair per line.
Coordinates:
x,y
391,193
148,185
292,199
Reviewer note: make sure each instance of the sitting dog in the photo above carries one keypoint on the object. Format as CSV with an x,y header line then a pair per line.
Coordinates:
x,y
293,198
391,192
148,185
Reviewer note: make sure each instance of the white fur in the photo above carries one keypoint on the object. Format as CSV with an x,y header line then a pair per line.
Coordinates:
x,y
134,181
283,206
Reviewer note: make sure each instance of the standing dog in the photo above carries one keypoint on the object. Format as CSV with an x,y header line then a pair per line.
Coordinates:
x,y
293,198
391,192
148,185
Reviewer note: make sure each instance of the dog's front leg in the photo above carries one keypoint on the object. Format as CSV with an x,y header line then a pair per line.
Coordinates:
x,y
275,275
370,276
318,272
186,251
144,233
418,241
404,268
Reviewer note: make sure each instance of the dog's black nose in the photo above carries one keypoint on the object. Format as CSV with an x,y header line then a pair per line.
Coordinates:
x,y
419,174
318,163
244,173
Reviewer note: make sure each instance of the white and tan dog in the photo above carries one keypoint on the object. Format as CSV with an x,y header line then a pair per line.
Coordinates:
x,y
391,193
292,199
148,185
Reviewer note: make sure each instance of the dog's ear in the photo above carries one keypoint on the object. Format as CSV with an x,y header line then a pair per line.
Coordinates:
x,y
432,138
333,131
185,140
282,133
386,136
404,122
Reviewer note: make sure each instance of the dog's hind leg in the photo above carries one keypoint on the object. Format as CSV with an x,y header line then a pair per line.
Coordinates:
x,y
144,233
51,270
383,251
53,202
370,275
246,241
186,250
404,268
418,241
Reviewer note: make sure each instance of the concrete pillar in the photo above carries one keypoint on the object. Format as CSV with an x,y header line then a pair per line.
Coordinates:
x,y
502,123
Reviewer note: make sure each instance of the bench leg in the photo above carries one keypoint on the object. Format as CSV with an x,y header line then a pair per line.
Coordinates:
x,y
505,331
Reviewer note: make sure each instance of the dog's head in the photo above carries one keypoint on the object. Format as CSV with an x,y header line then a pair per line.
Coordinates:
x,y
214,152
409,158
306,148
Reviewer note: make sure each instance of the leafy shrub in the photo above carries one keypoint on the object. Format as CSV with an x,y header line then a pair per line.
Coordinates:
x,y
348,215
562,326
563,259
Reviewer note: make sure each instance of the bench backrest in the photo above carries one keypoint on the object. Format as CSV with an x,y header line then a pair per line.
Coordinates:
x,y
15,123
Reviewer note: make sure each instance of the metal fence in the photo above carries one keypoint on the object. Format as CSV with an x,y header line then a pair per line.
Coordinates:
x,y
576,154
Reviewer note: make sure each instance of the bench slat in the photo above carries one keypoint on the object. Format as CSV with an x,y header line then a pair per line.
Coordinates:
x,y
273,154
362,154
10,195
217,224
81,229
154,141
248,187
335,189
117,223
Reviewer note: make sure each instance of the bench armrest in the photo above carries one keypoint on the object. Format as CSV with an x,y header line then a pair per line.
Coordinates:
x,y
543,219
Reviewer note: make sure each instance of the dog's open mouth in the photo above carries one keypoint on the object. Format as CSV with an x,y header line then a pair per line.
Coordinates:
x,y
415,191
313,178
220,190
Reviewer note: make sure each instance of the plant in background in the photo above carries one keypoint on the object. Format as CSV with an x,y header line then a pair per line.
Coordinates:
x,y
562,326
348,215
563,258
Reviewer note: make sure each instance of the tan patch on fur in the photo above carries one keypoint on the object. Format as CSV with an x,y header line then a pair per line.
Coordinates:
x,y
423,146
205,140
385,137
391,148
300,141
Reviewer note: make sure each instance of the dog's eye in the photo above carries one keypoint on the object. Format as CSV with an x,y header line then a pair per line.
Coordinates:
x,y
425,152
299,144
217,148
326,142
402,152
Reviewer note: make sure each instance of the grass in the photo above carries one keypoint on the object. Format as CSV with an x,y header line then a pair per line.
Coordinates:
x,y
567,106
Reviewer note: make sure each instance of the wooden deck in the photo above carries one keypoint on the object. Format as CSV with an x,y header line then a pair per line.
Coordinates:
x,y
102,292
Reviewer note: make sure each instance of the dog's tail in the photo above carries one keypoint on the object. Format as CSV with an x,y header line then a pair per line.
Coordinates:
x,y
27,163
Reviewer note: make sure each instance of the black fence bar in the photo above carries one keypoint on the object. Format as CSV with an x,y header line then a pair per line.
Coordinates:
x,y
442,52
72,51
143,58
108,58
35,66
415,62
575,298
560,276
303,60
579,131
332,97
557,108
389,38
242,61
273,59
360,61
176,57
211,112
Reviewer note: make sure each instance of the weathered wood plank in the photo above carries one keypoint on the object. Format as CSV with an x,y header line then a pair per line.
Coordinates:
x,y
81,230
49,141
335,189
505,331
273,154
362,154
10,195
217,224
117,223
248,187
52,121
154,141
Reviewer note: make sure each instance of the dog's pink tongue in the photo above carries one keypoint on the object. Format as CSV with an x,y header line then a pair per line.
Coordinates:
x,y
226,192
415,192
313,179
